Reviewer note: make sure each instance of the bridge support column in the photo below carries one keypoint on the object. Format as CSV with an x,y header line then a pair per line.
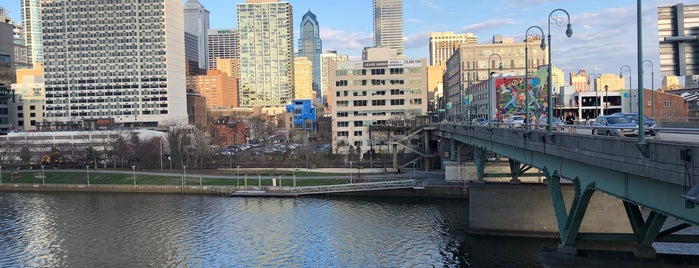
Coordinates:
x,y
645,231
568,223
479,161
427,150
395,157
515,170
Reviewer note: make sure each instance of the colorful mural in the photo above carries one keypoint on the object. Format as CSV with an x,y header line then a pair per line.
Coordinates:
x,y
510,94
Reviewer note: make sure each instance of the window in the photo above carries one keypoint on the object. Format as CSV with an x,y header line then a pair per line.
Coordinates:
x,y
342,124
378,82
378,102
358,123
398,102
396,92
378,71
342,103
342,114
341,83
343,133
358,133
358,144
397,70
667,103
359,103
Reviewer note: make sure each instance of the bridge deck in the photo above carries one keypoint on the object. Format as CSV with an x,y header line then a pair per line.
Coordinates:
x,y
289,191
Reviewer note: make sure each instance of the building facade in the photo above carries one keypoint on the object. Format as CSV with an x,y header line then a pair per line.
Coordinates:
x,y
29,92
678,27
31,19
325,60
196,22
229,66
217,87
303,79
374,92
191,54
443,44
98,68
266,53
223,44
310,46
304,114
388,24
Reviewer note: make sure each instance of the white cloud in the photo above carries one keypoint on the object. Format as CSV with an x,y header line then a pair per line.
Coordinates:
x,y
487,25
411,20
430,4
344,41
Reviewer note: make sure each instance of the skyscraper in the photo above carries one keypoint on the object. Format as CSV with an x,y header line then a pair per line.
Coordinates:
x,y
196,22
223,43
98,68
325,60
310,46
442,45
266,53
388,24
303,79
31,17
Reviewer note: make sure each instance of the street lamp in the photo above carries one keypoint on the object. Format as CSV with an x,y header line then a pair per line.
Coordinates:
x,y
238,177
134,175
526,70
595,87
622,69
606,98
652,87
184,176
490,88
87,170
43,178
549,92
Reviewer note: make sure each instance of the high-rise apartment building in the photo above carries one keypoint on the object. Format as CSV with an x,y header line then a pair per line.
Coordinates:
x,y
374,91
99,68
678,27
223,44
229,66
196,22
310,46
266,53
217,87
388,24
443,44
325,60
28,110
31,18
303,79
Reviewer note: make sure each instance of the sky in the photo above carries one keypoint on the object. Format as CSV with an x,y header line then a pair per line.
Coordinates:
x,y
604,31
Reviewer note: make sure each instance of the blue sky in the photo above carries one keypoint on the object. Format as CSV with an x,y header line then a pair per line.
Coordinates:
x,y
604,36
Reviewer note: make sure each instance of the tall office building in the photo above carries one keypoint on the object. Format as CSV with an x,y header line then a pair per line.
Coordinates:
x,y
223,44
678,28
325,60
98,68
443,44
31,17
303,79
310,46
388,24
266,53
191,54
196,22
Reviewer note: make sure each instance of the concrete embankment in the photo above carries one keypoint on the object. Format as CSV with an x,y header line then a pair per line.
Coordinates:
x,y
25,187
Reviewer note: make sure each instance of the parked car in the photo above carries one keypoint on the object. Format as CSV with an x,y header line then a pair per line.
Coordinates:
x,y
614,125
648,124
513,120
479,121
557,123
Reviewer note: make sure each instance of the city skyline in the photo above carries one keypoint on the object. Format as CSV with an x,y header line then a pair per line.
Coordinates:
x,y
598,26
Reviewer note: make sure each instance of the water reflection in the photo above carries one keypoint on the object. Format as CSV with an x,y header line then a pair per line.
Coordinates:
x,y
111,229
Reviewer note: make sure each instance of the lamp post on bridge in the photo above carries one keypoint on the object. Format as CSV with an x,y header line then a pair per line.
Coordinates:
x,y
595,87
652,87
490,89
628,69
549,92
527,125
606,98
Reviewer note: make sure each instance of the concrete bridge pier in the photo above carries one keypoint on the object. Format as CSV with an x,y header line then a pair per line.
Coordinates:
x,y
479,158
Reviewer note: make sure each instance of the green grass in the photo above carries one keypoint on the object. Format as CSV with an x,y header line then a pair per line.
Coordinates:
x,y
127,179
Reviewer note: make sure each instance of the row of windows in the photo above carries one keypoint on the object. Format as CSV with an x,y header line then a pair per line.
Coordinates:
x,y
375,82
378,71
105,113
394,92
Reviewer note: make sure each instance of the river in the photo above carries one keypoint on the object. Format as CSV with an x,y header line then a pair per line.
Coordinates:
x,y
171,230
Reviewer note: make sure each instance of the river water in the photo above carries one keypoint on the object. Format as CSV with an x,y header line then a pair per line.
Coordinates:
x,y
171,230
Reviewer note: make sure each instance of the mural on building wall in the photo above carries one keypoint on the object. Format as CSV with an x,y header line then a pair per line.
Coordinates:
x,y
511,96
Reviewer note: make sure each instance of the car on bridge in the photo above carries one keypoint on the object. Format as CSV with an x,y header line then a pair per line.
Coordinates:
x,y
614,125
557,123
648,124
514,120
479,121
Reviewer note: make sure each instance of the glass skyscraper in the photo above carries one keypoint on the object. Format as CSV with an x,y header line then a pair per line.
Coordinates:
x,y
31,17
310,46
196,22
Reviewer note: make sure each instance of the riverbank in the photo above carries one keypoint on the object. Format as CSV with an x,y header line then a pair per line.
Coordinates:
x,y
430,191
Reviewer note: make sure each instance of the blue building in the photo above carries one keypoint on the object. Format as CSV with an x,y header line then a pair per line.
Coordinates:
x,y
304,114
310,46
